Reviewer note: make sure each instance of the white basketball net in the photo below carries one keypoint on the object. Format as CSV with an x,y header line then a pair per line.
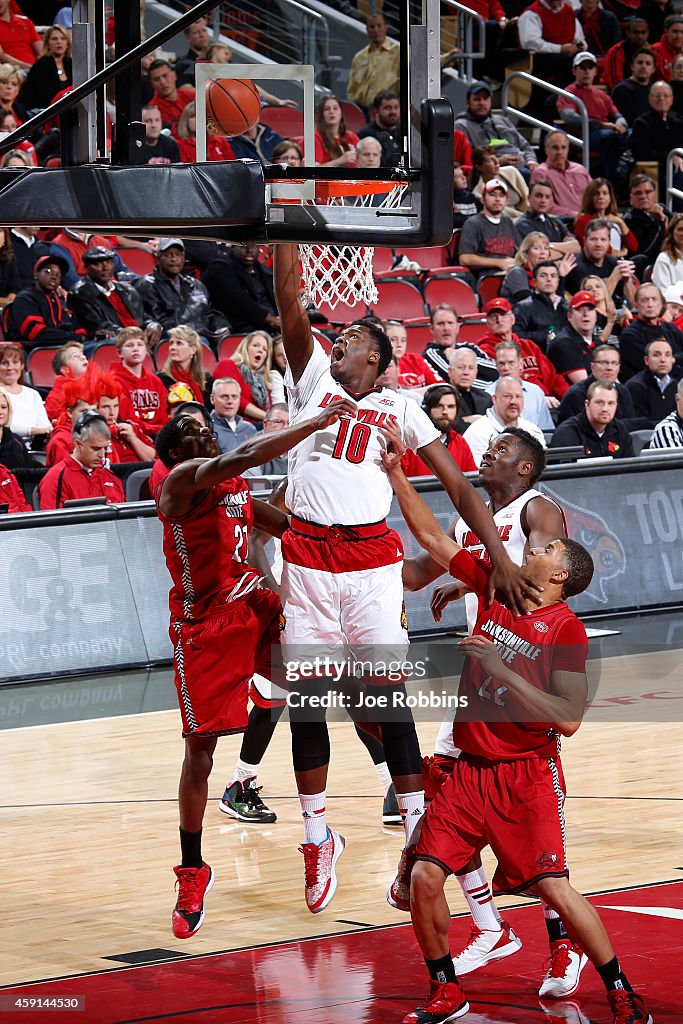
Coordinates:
x,y
337,274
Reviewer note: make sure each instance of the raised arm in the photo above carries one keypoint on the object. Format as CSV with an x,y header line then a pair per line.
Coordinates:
x,y
188,479
506,576
294,323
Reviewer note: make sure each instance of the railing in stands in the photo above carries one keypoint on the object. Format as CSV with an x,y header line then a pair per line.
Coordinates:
x,y
467,19
672,192
287,33
521,115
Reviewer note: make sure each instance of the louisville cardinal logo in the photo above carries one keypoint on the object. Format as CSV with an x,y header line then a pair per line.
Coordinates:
x,y
602,544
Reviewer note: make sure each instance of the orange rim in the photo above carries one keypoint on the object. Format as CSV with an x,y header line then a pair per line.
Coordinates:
x,y
336,189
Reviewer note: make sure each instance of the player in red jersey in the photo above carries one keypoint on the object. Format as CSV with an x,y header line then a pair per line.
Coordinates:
x,y
223,623
523,685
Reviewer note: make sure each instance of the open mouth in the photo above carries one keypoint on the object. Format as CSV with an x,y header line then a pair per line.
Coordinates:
x,y
338,351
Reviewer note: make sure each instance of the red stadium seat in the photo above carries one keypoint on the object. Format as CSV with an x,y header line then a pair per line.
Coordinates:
x,y
287,121
382,259
354,118
398,299
39,365
105,354
472,330
489,287
419,333
228,345
137,260
429,257
452,290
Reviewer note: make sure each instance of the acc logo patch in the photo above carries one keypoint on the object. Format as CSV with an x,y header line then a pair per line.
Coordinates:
x,y
541,627
404,617
547,860
282,622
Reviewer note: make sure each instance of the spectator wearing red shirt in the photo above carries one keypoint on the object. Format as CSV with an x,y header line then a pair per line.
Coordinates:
x,y
69,363
20,42
536,367
217,146
414,371
61,441
442,405
616,66
82,474
606,123
669,46
144,389
335,144
170,99
129,440
11,493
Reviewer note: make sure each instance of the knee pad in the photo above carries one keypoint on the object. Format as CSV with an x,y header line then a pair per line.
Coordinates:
x,y
310,745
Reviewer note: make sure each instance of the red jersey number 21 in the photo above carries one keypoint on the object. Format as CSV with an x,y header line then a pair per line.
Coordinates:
x,y
352,441
241,542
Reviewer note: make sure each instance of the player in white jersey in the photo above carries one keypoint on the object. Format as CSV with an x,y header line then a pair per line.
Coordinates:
x,y
525,518
341,582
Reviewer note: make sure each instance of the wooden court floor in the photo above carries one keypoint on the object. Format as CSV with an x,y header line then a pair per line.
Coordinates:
x,y
89,826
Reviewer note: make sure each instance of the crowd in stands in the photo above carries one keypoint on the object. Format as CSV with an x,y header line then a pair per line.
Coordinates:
x,y
579,339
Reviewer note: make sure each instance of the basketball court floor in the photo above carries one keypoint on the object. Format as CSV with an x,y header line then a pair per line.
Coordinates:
x,y
89,816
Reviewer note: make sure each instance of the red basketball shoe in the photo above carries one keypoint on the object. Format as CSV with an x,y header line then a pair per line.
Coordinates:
x,y
320,876
446,1002
193,885
628,1008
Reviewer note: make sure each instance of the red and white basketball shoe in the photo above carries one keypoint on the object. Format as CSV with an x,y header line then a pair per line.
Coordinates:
x,y
320,876
188,913
566,963
486,946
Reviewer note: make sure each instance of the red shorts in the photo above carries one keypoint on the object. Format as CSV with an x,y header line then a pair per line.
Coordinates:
x,y
215,658
515,807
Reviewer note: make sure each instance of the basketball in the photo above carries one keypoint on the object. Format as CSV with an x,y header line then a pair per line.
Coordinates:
x,y
232,106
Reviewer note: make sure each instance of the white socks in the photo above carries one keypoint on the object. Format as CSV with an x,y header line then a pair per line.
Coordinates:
x,y
476,891
244,771
412,807
313,813
384,776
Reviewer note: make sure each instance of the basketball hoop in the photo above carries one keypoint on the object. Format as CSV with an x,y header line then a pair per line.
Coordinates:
x,y
336,274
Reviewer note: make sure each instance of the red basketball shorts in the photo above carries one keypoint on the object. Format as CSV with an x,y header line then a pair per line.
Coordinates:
x,y
515,807
215,659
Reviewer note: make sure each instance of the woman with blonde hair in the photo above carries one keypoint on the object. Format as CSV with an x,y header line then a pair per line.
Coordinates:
x,y
217,146
604,331
518,283
13,452
51,73
184,364
11,81
668,268
254,358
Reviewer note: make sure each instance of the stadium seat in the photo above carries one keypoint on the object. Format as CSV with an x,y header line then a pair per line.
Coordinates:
x,y
137,485
640,438
489,287
39,366
429,257
452,290
228,345
419,332
137,260
161,355
354,118
105,354
382,259
472,330
287,121
398,299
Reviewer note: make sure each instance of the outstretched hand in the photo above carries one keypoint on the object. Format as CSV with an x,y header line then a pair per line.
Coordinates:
x,y
443,595
396,448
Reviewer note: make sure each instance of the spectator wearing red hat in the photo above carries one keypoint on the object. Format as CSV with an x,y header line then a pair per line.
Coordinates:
x,y
596,429
571,351
536,368
38,315
487,240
